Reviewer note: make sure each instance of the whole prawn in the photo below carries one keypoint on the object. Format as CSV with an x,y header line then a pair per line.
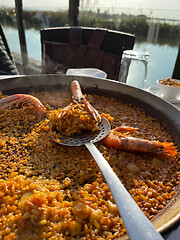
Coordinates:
x,y
18,100
78,97
116,139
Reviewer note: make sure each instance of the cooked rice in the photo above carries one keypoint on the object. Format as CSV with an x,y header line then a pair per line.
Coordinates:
x,y
49,191
75,120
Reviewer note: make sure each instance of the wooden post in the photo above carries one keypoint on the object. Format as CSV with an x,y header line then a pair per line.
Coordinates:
x,y
22,38
73,12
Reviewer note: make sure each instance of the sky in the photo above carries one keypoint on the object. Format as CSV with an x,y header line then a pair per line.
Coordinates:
x,y
154,4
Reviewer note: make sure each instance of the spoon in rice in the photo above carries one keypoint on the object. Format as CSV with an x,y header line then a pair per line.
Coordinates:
x,y
137,224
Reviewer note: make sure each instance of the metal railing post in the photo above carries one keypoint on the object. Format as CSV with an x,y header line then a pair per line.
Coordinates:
x,y
73,12
22,38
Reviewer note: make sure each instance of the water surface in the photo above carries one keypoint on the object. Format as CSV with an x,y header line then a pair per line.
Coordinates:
x,y
161,57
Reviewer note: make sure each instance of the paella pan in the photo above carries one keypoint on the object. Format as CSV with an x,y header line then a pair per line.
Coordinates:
x,y
55,192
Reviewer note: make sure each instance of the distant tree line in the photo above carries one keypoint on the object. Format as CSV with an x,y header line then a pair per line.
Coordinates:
x,y
137,25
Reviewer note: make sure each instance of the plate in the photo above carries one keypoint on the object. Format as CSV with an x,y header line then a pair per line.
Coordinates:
x,y
156,91
87,72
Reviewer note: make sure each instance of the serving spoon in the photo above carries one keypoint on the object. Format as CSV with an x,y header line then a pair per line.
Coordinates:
x,y
137,224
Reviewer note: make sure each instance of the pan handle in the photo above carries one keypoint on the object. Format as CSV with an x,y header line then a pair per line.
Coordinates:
x,y
137,224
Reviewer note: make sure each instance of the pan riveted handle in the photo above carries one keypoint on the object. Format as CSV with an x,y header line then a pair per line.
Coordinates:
x,y
137,224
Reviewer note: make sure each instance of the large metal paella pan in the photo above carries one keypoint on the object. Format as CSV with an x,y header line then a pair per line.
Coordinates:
x,y
165,113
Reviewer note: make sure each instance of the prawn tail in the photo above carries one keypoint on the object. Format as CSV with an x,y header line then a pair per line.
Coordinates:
x,y
168,148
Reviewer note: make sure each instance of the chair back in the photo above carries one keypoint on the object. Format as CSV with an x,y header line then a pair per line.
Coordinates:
x,y
82,47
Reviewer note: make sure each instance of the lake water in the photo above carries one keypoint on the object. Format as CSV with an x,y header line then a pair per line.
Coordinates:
x,y
161,57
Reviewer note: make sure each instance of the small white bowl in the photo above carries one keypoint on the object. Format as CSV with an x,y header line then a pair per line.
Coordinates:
x,y
169,91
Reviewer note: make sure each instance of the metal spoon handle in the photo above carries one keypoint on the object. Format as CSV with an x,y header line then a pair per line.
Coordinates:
x,y
137,224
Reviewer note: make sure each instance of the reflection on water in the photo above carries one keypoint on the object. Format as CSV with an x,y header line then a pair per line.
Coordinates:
x,y
32,40
161,57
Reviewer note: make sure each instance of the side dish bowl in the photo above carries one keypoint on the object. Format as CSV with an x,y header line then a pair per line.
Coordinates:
x,y
170,88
